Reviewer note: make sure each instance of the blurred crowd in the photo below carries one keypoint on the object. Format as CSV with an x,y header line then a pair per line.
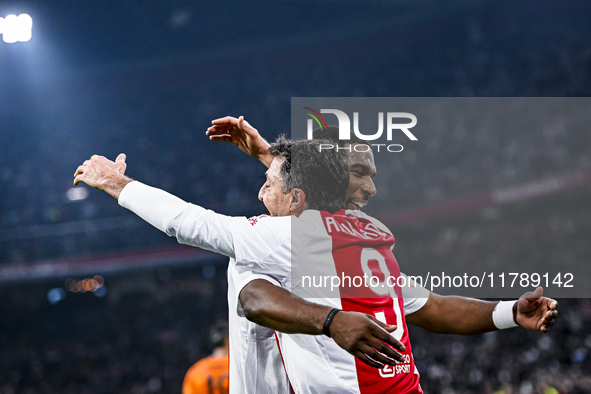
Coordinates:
x,y
140,337
510,362
150,326
159,121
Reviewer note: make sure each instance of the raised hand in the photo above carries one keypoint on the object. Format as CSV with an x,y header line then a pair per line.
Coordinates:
x,y
240,133
534,312
103,174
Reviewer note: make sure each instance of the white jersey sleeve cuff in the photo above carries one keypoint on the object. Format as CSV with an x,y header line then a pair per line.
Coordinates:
x,y
157,207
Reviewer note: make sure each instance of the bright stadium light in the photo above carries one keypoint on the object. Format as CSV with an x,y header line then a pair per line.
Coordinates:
x,y
77,193
16,28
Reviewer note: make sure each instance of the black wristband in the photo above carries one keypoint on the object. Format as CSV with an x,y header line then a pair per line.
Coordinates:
x,y
325,329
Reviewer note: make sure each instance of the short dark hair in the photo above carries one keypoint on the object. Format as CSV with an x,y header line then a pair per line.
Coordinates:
x,y
331,133
218,333
323,175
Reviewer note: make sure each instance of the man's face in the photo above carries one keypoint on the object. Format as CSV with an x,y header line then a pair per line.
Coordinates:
x,y
361,171
271,194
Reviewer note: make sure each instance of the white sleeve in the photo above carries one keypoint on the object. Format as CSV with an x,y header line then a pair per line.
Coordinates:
x,y
415,296
190,224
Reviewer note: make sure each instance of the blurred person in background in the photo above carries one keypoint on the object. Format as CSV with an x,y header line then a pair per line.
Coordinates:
x,y
210,375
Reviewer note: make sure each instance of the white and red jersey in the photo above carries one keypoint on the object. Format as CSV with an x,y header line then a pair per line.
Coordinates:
x,y
255,362
348,244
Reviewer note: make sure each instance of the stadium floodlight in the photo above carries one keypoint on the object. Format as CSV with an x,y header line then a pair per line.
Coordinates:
x,y
16,28
77,193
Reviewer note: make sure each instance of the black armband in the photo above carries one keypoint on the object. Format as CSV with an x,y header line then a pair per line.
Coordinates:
x,y
325,329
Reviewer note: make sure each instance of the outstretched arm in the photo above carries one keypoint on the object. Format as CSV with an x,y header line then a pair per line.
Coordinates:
x,y
239,132
467,316
358,333
190,224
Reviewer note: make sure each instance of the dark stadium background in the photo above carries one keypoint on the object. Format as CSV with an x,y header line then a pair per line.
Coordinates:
x,y
147,77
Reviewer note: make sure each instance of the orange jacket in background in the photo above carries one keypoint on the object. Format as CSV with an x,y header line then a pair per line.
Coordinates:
x,y
208,376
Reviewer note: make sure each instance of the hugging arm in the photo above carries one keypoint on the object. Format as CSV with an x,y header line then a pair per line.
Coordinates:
x,y
360,334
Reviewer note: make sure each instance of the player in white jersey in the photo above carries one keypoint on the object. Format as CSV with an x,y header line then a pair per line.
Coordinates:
x,y
253,365
254,368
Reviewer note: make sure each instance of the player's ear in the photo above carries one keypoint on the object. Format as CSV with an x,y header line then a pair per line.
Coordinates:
x,y
298,201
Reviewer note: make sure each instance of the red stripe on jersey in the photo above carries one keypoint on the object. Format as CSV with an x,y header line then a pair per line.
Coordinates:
x,y
291,390
360,249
